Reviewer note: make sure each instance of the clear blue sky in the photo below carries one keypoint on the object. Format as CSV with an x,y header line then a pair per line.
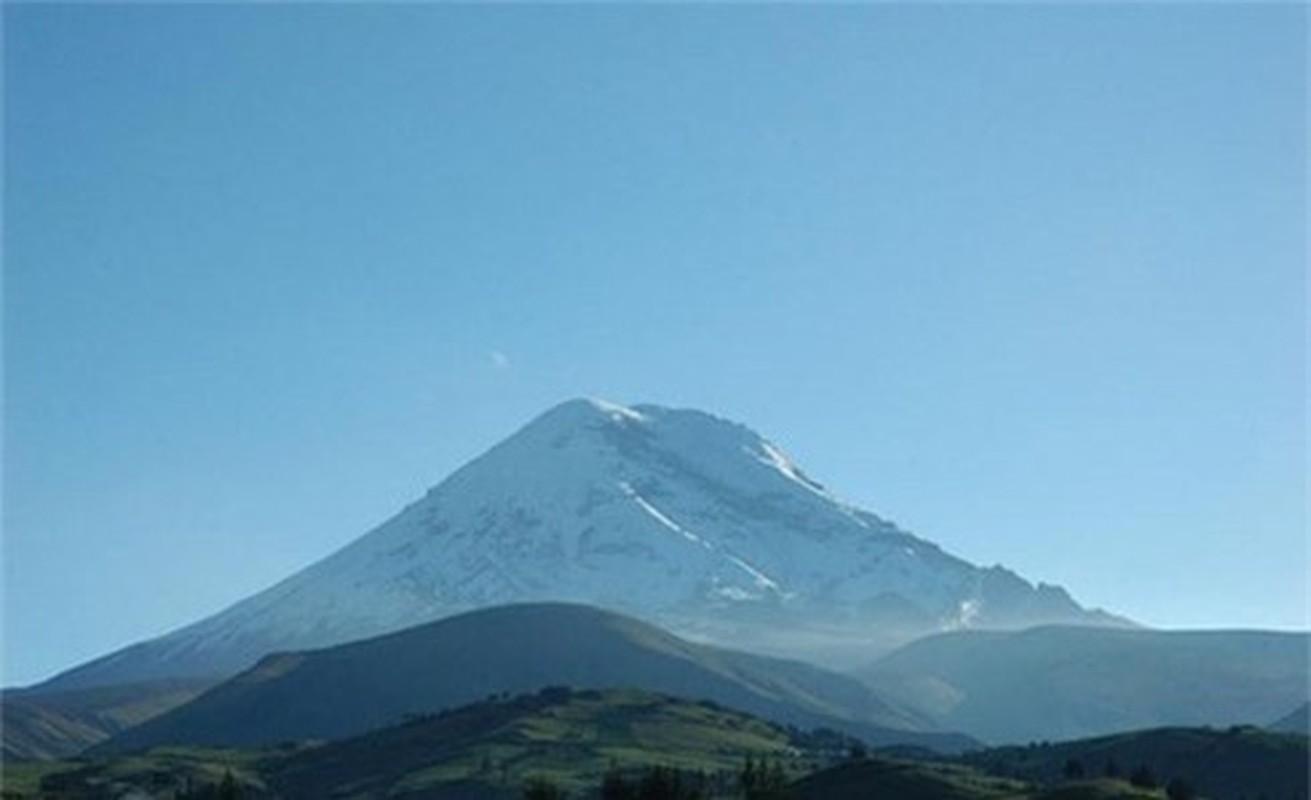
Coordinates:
x,y
1028,280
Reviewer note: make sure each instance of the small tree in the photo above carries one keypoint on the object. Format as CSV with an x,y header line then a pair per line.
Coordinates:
x,y
763,780
615,787
660,783
749,777
539,788
776,780
1143,777
228,789
1180,789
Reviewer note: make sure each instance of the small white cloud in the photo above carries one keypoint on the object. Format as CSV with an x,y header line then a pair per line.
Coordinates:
x,y
499,360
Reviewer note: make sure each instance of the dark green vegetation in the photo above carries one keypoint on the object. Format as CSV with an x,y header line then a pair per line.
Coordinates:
x,y
904,780
348,689
910,780
1168,764
59,724
1064,683
1240,762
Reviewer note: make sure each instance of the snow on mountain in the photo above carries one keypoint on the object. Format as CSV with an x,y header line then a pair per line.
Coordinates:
x,y
676,516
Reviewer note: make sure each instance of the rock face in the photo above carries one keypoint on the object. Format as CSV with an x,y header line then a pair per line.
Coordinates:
x,y
674,516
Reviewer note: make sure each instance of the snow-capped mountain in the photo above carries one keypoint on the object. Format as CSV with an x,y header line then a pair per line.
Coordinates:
x,y
675,516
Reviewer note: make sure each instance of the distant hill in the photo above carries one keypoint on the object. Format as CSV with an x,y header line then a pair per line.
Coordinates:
x,y
345,690
1070,682
39,725
1229,764
1297,721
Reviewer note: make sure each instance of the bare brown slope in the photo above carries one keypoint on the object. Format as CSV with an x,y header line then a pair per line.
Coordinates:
x,y
44,725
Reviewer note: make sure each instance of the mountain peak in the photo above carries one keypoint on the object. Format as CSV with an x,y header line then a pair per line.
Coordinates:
x,y
594,412
586,438
586,411
672,515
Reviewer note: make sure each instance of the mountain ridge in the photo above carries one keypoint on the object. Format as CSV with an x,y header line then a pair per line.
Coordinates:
x,y
677,516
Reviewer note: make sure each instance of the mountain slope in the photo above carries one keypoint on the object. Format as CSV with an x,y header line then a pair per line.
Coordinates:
x,y
1064,683
678,517
42,725
1296,721
347,689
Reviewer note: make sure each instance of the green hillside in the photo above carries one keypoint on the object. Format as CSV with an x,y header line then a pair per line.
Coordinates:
x,y
166,772
490,749
571,738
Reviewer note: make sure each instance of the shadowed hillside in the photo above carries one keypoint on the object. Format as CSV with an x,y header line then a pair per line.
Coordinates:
x,y
1229,764
345,690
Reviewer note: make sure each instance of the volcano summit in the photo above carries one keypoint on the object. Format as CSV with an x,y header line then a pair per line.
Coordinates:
x,y
675,516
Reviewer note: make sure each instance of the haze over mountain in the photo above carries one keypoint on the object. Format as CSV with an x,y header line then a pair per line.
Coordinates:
x,y
1066,682
347,689
675,516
